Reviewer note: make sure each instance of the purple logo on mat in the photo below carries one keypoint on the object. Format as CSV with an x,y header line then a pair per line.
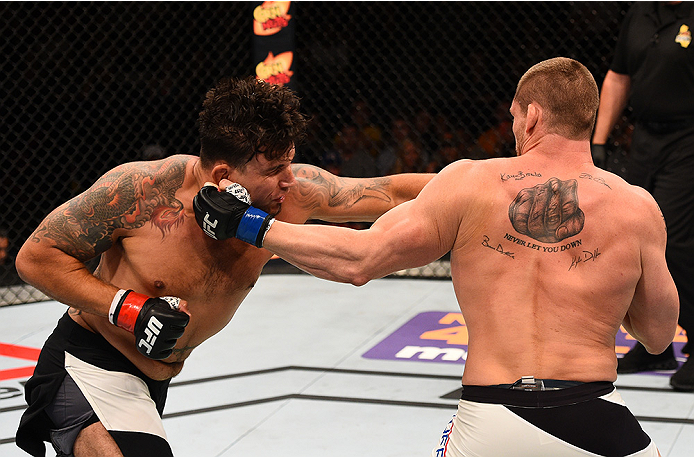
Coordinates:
x,y
428,337
440,336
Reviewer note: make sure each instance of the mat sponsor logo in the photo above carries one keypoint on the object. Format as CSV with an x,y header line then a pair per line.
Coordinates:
x,y
428,337
442,337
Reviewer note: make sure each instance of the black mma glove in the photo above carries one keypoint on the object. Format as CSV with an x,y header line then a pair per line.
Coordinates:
x,y
599,153
229,214
155,322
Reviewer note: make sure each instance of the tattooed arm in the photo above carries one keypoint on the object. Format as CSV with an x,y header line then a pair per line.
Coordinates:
x,y
410,235
332,198
124,199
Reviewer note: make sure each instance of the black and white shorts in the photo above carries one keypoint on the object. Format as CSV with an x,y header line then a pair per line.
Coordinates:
x,y
120,401
80,379
589,419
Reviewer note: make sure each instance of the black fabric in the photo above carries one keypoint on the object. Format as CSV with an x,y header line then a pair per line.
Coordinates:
x,y
63,439
652,49
597,426
531,399
663,164
70,413
575,415
661,70
35,425
136,444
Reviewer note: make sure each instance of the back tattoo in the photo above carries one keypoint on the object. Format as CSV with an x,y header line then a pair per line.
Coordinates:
x,y
547,212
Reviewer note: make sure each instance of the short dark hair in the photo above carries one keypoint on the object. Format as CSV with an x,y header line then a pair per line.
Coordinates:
x,y
241,118
567,91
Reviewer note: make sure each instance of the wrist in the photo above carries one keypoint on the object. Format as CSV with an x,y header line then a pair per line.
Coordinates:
x,y
126,309
253,226
115,308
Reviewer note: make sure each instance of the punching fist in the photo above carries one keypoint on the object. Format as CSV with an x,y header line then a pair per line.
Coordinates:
x,y
228,214
548,212
155,322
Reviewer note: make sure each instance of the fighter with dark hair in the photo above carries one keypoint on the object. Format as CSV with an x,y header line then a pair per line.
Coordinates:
x,y
162,286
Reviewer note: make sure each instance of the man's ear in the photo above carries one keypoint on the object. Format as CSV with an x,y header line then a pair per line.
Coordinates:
x,y
533,117
221,170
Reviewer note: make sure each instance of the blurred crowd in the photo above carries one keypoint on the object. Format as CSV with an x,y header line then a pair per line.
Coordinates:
x,y
423,141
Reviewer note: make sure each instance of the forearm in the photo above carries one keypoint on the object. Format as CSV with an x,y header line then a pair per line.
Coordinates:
x,y
125,343
655,333
613,100
65,279
328,252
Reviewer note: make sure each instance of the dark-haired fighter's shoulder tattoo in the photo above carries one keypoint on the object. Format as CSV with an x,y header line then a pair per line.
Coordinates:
x,y
316,187
548,212
126,197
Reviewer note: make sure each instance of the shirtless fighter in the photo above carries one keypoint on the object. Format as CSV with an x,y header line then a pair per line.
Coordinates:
x,y
96,389
549,256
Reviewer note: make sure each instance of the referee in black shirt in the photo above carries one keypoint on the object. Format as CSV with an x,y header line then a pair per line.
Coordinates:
x,y
653,70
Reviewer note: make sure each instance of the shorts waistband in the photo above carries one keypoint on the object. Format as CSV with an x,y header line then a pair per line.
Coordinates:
x,y
558,396
79,334
530,383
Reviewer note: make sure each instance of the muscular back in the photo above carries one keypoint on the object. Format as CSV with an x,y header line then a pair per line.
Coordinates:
x,y
546,260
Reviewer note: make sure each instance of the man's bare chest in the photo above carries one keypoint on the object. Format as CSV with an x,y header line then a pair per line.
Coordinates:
x,y
185,263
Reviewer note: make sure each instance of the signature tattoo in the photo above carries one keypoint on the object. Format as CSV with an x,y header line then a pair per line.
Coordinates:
x,y
587,255
316,188
126,197
498,248
594,178
548,212
520,175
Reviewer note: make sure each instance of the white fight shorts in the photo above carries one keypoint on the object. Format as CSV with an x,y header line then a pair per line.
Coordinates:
x,y
589,419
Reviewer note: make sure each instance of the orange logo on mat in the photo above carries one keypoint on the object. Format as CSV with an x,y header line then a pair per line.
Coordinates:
x,y
275,69
451,335
270,17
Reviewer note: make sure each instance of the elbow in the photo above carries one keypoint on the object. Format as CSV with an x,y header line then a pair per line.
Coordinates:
x,y
658,343
358,272
356,276
23,264
359,280
657,349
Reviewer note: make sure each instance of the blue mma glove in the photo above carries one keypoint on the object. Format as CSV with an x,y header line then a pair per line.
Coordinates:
x,y
229,214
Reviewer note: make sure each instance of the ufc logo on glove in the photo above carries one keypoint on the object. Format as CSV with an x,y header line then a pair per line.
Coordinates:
x,y
152,331
209,226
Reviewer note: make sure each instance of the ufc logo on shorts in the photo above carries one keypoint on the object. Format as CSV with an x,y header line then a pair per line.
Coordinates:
x,y
208,226
152,330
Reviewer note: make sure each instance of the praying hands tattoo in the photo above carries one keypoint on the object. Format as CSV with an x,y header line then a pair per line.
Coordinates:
x,y
548,212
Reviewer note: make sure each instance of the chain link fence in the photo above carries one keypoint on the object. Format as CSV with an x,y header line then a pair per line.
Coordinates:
x,y
391,86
